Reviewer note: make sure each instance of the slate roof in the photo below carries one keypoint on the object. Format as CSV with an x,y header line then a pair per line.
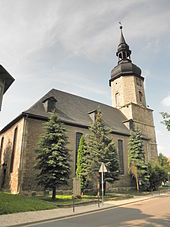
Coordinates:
x,y
74,110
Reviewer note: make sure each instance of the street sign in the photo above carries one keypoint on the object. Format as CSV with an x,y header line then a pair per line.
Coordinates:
x,y
102,168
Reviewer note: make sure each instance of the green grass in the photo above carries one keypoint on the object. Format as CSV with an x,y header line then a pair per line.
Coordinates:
x,y
18,203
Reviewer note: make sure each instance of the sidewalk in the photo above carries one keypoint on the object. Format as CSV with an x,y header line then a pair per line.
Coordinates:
x,y
21,219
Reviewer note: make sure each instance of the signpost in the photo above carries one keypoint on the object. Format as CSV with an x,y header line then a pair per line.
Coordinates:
x,y
102,170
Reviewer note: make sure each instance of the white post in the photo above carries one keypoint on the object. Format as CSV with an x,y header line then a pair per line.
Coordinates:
x,y
102,190
102,170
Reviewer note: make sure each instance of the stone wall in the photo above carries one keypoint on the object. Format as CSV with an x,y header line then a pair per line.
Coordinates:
x,y
29,131
11,179
128,91
128,88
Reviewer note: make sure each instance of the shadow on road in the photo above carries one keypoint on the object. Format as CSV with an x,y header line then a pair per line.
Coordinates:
x,y
112,218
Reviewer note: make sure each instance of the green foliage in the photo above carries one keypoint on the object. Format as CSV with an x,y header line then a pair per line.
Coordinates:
x,y
83,158
136,157
166,120
158,174
163,160
52,156
102,149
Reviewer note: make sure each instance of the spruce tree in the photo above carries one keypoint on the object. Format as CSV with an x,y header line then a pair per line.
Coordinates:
x,y
101,148
52,156
136,159
83,158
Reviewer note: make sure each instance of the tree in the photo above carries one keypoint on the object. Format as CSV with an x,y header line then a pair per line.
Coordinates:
x,y
163,160
52,156
136,160
102,149
158,174
166,120
83,158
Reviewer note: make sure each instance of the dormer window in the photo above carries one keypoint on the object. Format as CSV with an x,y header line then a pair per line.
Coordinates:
x,y
92,115
50,104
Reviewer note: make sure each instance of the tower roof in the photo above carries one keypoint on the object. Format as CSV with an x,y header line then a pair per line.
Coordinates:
x,y
125,66
4,75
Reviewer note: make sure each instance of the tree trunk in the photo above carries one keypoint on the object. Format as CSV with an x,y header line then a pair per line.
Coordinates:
x,y
54,193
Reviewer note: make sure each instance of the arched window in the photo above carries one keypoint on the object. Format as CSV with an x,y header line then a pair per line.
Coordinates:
x,y
1,148
13,150
117,99
121,158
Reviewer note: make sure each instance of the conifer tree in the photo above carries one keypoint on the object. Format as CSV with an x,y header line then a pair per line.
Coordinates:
x,y
83,158
52,156
136,159
102,149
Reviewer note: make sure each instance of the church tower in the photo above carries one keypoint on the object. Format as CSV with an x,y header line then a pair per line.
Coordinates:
x,y
128,95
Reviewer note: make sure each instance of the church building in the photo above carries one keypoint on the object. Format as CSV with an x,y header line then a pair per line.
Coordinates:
x,y
19,138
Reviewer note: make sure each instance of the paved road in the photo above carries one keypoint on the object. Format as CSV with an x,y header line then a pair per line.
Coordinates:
x,y
153,212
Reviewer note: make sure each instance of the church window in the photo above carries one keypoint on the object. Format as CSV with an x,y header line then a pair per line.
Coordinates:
x,y
117,99
140,96
78,137
120,152
1,148
13,150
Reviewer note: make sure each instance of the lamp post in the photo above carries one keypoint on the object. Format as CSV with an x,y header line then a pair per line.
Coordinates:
x,y
5,82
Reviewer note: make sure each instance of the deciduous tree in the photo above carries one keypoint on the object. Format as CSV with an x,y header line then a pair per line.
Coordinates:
x,y
83,163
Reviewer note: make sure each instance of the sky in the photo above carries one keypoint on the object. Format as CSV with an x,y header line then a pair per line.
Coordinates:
x,y
70,45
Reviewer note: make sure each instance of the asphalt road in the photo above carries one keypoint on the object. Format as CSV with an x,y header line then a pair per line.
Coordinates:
x,y
152,212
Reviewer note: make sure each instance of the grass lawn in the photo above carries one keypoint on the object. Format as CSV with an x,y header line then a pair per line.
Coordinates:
x,y
18,203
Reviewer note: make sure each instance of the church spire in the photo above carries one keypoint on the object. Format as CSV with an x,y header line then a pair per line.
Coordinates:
x,y
123,51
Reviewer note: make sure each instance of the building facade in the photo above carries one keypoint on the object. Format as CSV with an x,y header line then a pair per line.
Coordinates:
x,y
19,138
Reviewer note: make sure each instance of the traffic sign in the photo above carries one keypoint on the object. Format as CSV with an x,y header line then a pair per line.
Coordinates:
x,y
102,168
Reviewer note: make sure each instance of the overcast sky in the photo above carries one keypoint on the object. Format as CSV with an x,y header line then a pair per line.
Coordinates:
x,y
70,45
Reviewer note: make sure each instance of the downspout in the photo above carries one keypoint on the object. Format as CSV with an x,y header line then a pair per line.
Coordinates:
x,y
20,174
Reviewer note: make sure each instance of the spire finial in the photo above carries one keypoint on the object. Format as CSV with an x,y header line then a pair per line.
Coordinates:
x,y
123,51
120,25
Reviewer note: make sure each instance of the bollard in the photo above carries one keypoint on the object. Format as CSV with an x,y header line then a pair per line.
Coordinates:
x,y
73,204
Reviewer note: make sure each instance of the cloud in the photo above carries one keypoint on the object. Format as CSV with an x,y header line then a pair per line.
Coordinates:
x,y
87,28
166,101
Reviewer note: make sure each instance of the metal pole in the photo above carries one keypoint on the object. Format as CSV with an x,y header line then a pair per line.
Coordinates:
x,y
73,204
98,192
102,190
